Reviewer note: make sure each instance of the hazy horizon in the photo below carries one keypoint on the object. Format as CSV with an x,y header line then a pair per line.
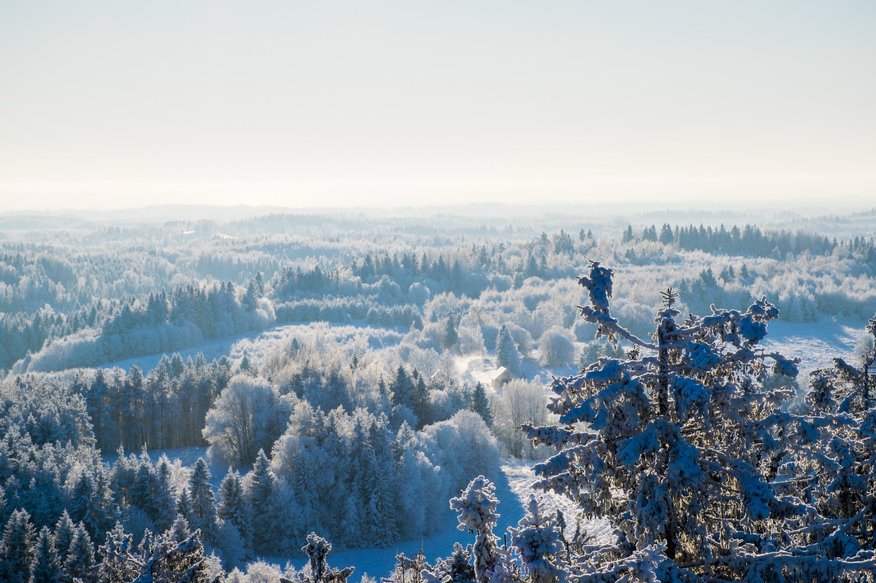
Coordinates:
x,y
814,206
341,104
133,197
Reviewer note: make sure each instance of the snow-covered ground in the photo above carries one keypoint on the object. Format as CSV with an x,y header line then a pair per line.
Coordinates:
x,y
260,343
477,368
522,479
816,344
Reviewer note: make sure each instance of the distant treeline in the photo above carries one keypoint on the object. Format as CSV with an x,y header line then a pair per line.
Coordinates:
x,y
158,322
749,241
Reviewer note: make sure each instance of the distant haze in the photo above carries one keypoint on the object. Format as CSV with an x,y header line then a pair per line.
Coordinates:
x,y
323,104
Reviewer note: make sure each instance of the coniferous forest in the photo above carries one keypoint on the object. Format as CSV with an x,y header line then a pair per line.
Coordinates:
x,y
230,401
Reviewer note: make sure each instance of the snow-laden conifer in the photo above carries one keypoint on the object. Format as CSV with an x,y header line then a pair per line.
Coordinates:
x,y
203,515
317,550
17,549
507,354
538,542
234,509
480,405
115,553
63,535
476,506
80,563
45,567
696,462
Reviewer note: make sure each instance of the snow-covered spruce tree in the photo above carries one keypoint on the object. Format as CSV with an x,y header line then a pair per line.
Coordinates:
x,y
450,341
45,567
507,354
479,403
165,559
537,553
17,549
261,495
115,553
317,549
163,500
457,568
234,509
537,540
179,530
184,504
477,513
92,503
63,535
80,563
676,445
846,387
203,501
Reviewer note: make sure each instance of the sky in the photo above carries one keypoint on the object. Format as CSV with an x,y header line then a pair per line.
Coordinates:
x,y
116,104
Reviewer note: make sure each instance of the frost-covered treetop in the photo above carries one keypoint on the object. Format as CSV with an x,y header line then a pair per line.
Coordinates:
x,y
692,457
476,505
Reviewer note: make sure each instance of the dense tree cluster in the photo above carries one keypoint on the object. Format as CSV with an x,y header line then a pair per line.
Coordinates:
x,y
162,323
24,333
162,409
348,310
353,473
748,241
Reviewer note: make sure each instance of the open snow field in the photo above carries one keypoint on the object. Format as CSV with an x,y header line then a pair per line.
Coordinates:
x,y
816,344
255,344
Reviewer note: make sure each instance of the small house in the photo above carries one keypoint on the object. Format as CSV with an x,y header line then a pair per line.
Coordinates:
x,y
500,377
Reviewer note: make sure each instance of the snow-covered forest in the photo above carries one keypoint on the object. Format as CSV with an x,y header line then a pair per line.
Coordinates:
x,y
690,396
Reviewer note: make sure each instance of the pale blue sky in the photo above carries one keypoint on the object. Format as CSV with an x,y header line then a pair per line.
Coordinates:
x,y
122,103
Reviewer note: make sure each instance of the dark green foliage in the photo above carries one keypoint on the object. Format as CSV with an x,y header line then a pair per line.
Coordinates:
x,y
80,562
45,567
480,405
234,509
409,390
203,514
262,494
17,549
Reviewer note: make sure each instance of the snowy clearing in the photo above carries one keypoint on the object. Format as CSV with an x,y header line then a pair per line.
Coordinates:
x,y
256,344
816,344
